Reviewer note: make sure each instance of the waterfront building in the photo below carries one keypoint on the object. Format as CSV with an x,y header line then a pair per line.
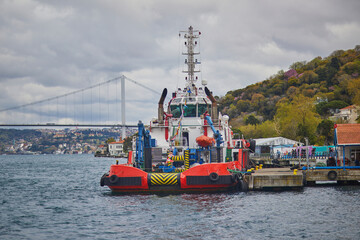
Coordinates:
x,y
347,141
117,148
270,146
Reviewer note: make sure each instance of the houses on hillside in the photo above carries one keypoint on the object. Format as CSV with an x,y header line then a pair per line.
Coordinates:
x,y
347,114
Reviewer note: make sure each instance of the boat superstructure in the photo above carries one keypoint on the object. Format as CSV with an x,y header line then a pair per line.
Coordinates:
x,y
189,146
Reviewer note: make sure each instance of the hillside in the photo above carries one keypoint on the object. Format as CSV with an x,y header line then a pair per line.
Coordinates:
x,y
297,103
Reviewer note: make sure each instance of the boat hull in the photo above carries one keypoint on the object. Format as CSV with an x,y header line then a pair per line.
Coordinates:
x,y
213,177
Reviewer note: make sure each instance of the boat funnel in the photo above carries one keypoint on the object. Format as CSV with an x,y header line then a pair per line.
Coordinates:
x,y
161,106
214,114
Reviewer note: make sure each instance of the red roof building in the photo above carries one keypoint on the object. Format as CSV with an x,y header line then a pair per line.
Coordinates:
x,y
347,140
348,134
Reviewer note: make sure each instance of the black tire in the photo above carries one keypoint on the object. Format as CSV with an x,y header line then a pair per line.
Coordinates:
x,y
332,175
113,179
243,186
214,177
102,180
233,178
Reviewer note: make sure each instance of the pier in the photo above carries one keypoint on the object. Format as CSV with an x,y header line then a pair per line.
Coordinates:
x,y
275,179
288,179
340,175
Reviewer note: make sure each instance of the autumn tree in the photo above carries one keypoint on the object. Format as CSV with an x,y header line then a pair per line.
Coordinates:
x,y
297,119
354,90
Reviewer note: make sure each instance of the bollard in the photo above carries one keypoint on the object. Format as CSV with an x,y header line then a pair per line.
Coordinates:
x,y
295,171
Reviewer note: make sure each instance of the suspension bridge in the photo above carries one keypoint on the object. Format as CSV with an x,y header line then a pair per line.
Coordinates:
x,y
93,106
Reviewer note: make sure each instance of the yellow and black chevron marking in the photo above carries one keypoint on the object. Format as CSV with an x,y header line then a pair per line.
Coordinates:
x,y
177,158
186,161
157,179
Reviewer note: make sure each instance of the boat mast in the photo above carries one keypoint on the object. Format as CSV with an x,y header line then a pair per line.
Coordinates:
x,y
190,37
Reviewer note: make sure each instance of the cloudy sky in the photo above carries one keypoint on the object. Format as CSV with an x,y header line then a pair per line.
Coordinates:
x,y
49,48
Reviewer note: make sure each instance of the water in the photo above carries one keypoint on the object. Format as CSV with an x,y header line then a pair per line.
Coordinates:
x,y
59,197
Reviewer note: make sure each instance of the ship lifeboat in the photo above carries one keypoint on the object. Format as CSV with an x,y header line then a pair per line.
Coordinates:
x,y
205,141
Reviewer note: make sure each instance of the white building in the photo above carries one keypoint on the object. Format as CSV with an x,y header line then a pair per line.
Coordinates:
x,y
117,149
348,114
266,146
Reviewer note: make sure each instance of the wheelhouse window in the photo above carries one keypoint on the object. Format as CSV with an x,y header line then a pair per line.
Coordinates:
x,y
203,108
175,111
189,110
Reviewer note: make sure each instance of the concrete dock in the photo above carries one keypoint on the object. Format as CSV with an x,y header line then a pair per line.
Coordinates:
x,y
285,178
275,178
339,175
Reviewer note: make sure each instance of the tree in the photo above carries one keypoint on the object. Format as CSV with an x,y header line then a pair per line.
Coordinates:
x,y
326,129
323,108
237,133
243,106
309,77
297,65
297,119
127,144
354,90
352,67
263,130
252,120
110,140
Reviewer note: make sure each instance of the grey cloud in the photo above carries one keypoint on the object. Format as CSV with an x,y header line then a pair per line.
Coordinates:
x,y
68,45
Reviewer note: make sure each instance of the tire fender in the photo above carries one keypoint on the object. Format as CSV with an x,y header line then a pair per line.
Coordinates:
x,y
113,179
332,175
214,177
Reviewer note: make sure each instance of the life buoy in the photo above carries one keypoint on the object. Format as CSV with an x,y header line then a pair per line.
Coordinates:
x,y
113,179
332,175
214,177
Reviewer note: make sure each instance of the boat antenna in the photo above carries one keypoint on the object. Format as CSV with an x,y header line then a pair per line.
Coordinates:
x,y
191,42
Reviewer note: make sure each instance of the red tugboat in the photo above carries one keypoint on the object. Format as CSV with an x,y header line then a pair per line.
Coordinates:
x,y
188,148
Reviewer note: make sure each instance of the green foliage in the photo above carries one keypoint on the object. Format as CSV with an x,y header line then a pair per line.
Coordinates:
x,y
289,100
297,119
252,120
323,108
326,129
354,90
110,140
263,130
127,144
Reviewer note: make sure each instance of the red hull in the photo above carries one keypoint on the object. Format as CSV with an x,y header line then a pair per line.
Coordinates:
x,y
211,177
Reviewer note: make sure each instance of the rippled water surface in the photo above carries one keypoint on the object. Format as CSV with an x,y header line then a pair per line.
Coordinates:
x,y
59,197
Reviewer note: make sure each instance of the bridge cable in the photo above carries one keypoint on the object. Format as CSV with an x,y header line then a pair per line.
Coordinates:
x,y
78,91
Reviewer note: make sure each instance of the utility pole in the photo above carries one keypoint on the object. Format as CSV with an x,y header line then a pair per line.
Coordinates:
x,y
307,152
